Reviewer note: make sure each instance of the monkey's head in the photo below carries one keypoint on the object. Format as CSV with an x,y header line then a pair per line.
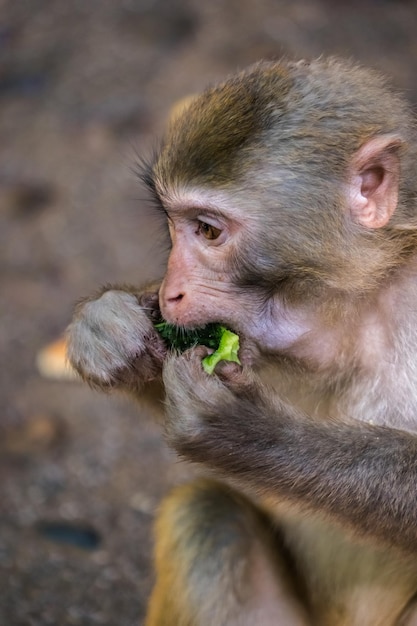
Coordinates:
x,y
287,184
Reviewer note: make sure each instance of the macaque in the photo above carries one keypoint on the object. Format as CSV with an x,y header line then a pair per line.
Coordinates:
x,y
290,193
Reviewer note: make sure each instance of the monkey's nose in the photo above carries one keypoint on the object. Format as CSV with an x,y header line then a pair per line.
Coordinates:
x,y
171,302
175,299
172,297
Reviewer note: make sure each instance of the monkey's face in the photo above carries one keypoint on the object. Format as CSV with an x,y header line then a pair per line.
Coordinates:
x,y
203,281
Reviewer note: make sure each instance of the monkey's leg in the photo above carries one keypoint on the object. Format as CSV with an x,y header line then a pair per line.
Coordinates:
x,y
217,565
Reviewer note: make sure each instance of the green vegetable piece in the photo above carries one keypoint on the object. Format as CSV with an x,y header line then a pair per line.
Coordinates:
x,y
227,351
181,339
214,336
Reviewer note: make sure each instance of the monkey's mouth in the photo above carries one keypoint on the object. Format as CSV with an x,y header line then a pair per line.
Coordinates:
x,y
180,338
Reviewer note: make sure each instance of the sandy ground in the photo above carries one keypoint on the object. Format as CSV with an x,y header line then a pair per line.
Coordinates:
x,y
85,87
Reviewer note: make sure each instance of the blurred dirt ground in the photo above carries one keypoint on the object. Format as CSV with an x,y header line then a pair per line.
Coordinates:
x,y
85,87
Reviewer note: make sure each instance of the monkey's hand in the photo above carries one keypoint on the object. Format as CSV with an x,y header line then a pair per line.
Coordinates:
x,y
112,342
199,405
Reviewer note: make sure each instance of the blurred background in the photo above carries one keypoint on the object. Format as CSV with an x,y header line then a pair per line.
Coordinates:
x,y
85,90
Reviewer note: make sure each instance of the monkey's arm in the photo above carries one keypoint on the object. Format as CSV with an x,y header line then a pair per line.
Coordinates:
x,y
363,476
112,342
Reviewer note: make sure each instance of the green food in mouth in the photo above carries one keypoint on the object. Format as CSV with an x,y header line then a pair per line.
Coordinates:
x,y
227,351
224,342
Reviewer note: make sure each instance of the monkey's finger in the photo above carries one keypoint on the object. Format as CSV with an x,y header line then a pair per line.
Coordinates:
x,y
150,302
228,371
197,353
239,380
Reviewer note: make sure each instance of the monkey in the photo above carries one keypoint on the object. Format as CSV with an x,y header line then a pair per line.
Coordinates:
x,y
290,194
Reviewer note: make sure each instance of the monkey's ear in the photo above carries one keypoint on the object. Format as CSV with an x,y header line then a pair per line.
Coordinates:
x,y
373,185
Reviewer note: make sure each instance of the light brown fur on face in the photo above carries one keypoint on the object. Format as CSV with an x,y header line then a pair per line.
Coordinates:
x,y
290,194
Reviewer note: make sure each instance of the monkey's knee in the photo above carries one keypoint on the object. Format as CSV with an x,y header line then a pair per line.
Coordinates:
x,y
201,538
214,562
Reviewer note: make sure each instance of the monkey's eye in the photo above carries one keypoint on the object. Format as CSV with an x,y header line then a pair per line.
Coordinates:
x,y
208,231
